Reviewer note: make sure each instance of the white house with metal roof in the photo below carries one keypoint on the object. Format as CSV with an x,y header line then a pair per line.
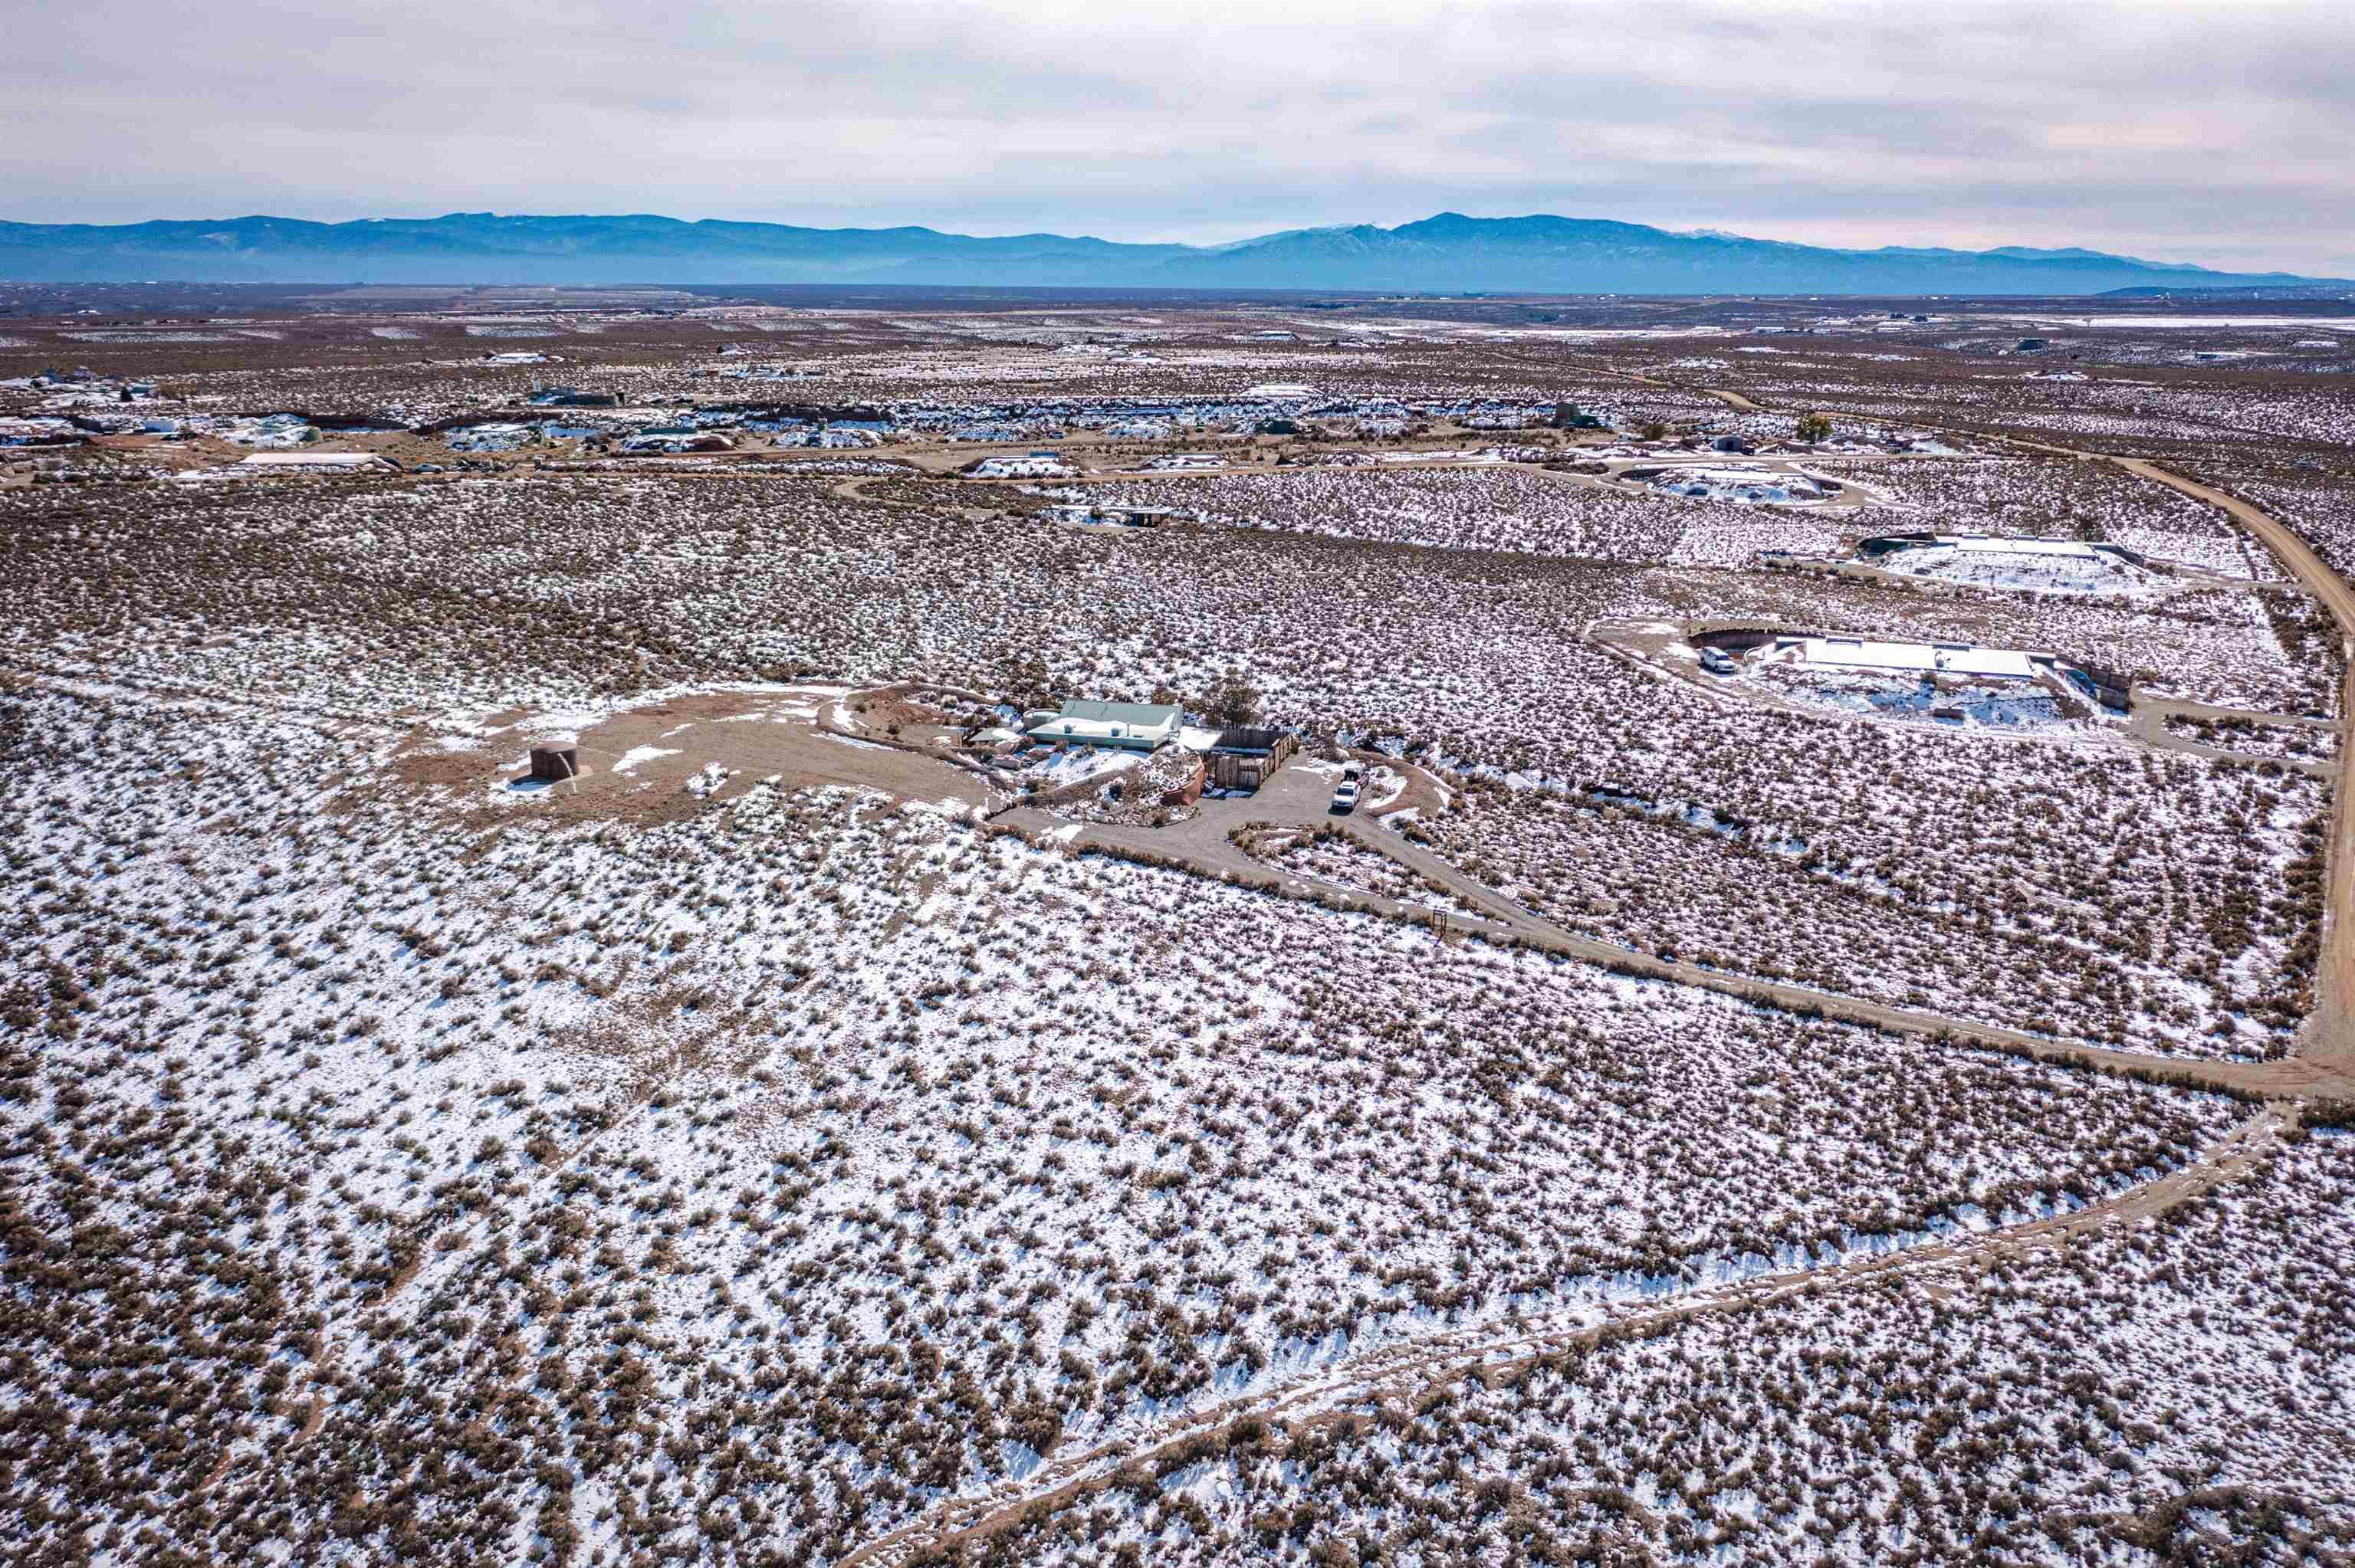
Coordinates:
x,y
1130,726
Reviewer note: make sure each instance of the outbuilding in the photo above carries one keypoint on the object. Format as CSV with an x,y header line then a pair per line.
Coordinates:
x,y
2111,688
1244,758
555,761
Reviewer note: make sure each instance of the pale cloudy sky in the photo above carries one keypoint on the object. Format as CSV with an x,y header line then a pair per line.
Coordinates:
x,y
2222,133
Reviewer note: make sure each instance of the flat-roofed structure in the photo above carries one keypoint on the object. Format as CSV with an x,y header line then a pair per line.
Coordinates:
x,y
1084,512
1243,758
325,462
1997,544
1917,658
1978,545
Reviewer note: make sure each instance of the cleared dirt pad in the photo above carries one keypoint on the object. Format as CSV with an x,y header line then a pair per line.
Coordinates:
x,y
655,762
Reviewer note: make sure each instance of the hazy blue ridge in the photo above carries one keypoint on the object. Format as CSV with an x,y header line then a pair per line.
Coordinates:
x,y
1448,252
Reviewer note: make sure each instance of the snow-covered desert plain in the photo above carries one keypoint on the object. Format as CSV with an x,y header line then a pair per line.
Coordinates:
x,y
555,1012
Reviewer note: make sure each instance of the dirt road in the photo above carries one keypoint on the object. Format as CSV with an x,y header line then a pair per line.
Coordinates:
x,y
1296,797
1401,1374
2148,724
2328,1036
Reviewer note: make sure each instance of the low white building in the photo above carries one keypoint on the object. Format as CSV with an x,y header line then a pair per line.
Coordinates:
x,y
1982,544
316,463
1035,466
1088,512
1917,658
1914,549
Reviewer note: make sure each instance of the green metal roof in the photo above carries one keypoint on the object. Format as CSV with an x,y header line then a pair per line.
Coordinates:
x,y
1144,715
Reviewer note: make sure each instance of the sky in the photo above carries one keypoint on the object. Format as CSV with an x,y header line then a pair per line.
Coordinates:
x,y
2182,130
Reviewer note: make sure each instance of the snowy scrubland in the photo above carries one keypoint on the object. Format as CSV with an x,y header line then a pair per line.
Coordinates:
x,y
2044,901
2175,1392
2320,508
467,1182
557,593
541,590
686,1165
2056,498
1511,509
2250,738
1460,509
2145,411
1333,856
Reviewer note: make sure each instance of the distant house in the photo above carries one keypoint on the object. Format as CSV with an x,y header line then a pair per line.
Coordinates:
x,y
1999,545
38,432
497,436
677,440
1037,465
1081,512
316,463
1917,658
1129,726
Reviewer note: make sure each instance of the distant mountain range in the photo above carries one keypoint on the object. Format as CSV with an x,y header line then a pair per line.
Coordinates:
x,y
1449,253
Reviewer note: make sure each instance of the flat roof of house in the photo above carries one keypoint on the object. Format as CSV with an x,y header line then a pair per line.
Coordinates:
x,y
1921,657
1144,715
314,459
1980,544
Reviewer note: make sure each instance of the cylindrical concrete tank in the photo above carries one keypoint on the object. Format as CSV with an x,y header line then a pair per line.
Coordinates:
x,y
555,762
